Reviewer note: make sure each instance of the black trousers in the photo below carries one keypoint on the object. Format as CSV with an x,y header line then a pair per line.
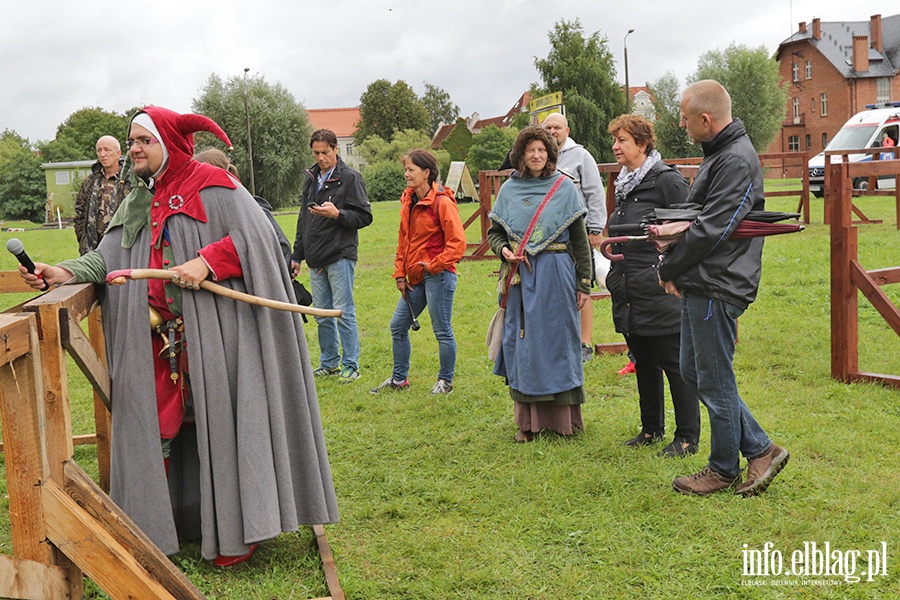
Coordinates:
x,y
654,355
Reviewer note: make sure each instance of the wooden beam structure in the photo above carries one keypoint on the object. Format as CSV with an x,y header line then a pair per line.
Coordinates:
x,y
51,499
848,277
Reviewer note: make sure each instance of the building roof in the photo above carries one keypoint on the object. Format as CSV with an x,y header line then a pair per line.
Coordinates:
x,y
836,44
342,121
504,120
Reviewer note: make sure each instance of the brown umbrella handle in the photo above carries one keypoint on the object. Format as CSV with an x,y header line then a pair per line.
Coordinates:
x,y
119,277
605,244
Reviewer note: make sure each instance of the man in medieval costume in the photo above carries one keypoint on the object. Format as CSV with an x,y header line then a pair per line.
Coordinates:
x,y
216,432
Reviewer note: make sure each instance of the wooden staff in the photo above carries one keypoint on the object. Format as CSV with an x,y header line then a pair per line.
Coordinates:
x,y
119,277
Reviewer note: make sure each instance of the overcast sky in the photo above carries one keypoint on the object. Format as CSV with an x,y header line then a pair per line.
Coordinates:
x,y
59,56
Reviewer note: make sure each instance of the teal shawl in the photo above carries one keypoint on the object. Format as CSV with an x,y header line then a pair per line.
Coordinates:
x,y
518,200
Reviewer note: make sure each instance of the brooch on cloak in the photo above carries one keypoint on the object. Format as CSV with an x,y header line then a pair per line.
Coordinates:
x,y
176,202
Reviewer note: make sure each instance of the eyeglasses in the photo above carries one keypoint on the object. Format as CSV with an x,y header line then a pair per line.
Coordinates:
x,y
141,142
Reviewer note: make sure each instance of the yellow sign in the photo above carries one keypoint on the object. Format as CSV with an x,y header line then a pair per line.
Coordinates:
x,y
545,103
539,108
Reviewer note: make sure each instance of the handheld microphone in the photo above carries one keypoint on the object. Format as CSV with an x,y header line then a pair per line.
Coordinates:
x,y
14,245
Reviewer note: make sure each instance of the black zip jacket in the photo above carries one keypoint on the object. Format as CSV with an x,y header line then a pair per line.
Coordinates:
x,y
640,306
706,261
321,241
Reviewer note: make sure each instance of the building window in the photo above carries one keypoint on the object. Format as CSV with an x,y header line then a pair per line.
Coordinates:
x,y
809,69
793,143
795,72
808,141
824,140
823,104
812,105
62,178
349,148
796,103
884,90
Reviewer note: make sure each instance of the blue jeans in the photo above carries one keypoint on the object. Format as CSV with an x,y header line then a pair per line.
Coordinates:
x,y
708,332
436,291
332,287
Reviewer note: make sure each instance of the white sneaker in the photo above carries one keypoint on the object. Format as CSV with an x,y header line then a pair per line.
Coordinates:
x,y
442,387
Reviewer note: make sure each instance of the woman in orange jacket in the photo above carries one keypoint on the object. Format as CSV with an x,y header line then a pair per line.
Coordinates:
x,y
430,243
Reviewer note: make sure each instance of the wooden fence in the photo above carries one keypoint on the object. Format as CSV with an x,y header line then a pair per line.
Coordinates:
x,y
63,525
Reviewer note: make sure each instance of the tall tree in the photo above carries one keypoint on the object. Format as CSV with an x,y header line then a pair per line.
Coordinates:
x,y
459,141
11,143
672,140
751,77
386,108
23,189
489,148
76,138
279,129
582,68
439,106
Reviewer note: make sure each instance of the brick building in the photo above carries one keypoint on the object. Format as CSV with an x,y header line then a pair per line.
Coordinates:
x,y
833,70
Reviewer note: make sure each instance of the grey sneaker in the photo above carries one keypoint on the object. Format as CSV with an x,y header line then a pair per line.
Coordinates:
x,y
704,483
389,385
442,386
762,470
348,374
587,353
327,371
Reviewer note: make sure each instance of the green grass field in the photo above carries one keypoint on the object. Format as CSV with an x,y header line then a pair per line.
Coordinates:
x,y
437,502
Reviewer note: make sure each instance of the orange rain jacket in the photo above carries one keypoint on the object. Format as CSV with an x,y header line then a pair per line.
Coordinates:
x,y
430,232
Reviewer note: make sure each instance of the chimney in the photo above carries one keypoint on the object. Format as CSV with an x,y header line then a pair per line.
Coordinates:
x,y
817,29
802,27
861,53
875,33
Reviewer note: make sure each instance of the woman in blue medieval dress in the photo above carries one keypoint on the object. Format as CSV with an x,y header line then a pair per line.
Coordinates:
x,y
540,354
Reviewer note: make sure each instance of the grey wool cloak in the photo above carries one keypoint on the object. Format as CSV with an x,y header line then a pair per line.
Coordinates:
x,y
256,465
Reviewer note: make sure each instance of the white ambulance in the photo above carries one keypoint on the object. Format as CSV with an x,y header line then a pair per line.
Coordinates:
x,y
870,128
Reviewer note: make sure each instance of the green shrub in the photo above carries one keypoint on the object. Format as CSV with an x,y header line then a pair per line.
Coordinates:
x,y
384,180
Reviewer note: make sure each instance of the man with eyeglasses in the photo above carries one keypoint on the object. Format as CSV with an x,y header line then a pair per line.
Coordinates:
x,y
216,428
100,195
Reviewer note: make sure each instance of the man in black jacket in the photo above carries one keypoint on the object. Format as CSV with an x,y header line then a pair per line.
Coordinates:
x,y
334,207
717,278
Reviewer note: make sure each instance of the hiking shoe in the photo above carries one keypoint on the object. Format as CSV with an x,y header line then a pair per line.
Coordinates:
x,y
627,369
679,448
762,470
587,353
327,371
704,483
391,385
348,374
442,386
643,439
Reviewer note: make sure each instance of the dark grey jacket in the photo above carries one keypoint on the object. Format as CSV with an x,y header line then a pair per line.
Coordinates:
x,y
706,261
321,241
640,305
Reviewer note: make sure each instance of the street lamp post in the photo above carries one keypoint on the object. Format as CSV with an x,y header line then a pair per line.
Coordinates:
x,y
249,141
627,89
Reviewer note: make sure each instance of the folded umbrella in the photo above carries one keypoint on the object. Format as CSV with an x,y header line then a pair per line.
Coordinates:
x,y
665,226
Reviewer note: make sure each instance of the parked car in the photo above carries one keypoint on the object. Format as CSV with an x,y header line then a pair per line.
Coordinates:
x,y
863,130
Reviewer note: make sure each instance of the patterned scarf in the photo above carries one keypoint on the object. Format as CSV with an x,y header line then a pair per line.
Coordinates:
x,y
628,179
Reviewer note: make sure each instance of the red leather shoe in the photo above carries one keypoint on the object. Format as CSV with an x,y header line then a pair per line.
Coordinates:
x,y
627,369
230,561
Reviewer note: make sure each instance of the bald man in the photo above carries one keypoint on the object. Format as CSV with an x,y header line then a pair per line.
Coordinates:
x,y
717,278
576,162
101,193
